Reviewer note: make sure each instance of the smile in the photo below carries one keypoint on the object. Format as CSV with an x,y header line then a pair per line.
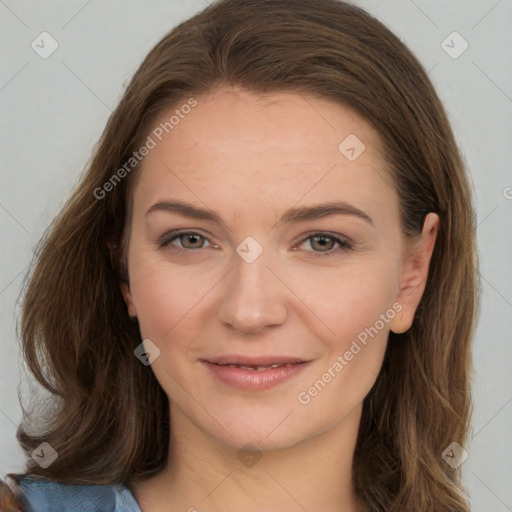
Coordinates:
x,y
254,377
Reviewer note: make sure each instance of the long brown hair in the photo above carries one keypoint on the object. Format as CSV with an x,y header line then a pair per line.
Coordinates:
x,y
112,424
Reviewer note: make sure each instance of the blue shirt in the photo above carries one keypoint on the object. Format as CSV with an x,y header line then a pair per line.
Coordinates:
x,y
47,496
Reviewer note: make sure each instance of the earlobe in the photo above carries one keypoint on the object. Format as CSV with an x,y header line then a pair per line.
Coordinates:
x,y
399,323
414,274
125,290
119,265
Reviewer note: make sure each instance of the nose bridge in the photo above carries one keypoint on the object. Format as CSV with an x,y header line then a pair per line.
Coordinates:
x,y
253,297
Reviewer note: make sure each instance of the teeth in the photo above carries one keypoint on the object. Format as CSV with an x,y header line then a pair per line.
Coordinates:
x,y
260,368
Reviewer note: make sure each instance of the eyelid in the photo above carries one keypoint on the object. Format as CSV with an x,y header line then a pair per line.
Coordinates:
x,y
330,234
174,234
344,242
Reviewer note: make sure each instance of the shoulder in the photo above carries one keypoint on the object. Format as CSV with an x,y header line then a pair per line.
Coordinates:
x,y
41,495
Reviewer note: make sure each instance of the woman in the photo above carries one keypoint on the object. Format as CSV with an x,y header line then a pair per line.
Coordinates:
x,y
262,293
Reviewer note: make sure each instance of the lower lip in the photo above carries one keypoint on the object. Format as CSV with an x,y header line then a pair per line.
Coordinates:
x,y
254,380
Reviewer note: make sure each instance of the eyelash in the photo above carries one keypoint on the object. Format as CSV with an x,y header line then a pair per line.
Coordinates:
x,y
344,244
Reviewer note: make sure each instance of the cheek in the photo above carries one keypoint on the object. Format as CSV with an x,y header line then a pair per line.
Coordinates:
x,y
348,298
359,314
169,300
356,302
162,298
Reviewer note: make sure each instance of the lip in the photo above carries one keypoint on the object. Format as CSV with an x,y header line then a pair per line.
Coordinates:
x,y
254,380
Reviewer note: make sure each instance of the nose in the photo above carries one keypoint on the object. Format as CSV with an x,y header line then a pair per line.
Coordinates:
x,y
254,298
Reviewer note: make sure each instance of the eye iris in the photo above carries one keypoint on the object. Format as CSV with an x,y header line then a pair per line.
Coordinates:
x,y
322,242
198,238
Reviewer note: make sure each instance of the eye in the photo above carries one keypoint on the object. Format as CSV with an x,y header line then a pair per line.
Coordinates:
x,y
183,241
324,244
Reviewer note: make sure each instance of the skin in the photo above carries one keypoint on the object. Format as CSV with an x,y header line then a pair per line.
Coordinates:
x,y
250,158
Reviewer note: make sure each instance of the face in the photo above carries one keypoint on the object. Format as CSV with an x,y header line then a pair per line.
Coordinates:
x,y
260,235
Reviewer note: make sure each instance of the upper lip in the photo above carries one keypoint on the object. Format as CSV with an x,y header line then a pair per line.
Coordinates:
x,y
254,361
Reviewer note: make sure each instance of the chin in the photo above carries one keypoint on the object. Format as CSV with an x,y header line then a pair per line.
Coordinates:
x,y
267,430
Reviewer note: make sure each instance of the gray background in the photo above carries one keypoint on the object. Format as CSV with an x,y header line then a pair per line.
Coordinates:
x,y
53,111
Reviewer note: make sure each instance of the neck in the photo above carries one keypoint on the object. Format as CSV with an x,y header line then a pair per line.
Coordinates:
x,y
204,474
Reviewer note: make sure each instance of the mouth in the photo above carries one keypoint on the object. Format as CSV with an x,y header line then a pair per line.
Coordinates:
x,y
254,374
259,368
264,362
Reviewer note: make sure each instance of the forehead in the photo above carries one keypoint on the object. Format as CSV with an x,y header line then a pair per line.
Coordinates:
x,y
279,147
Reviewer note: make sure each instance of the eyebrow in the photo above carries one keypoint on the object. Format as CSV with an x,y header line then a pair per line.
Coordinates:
x,y
293,215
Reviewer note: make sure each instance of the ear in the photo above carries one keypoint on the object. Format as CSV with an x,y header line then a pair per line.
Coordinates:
x,y
120,267
415,265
